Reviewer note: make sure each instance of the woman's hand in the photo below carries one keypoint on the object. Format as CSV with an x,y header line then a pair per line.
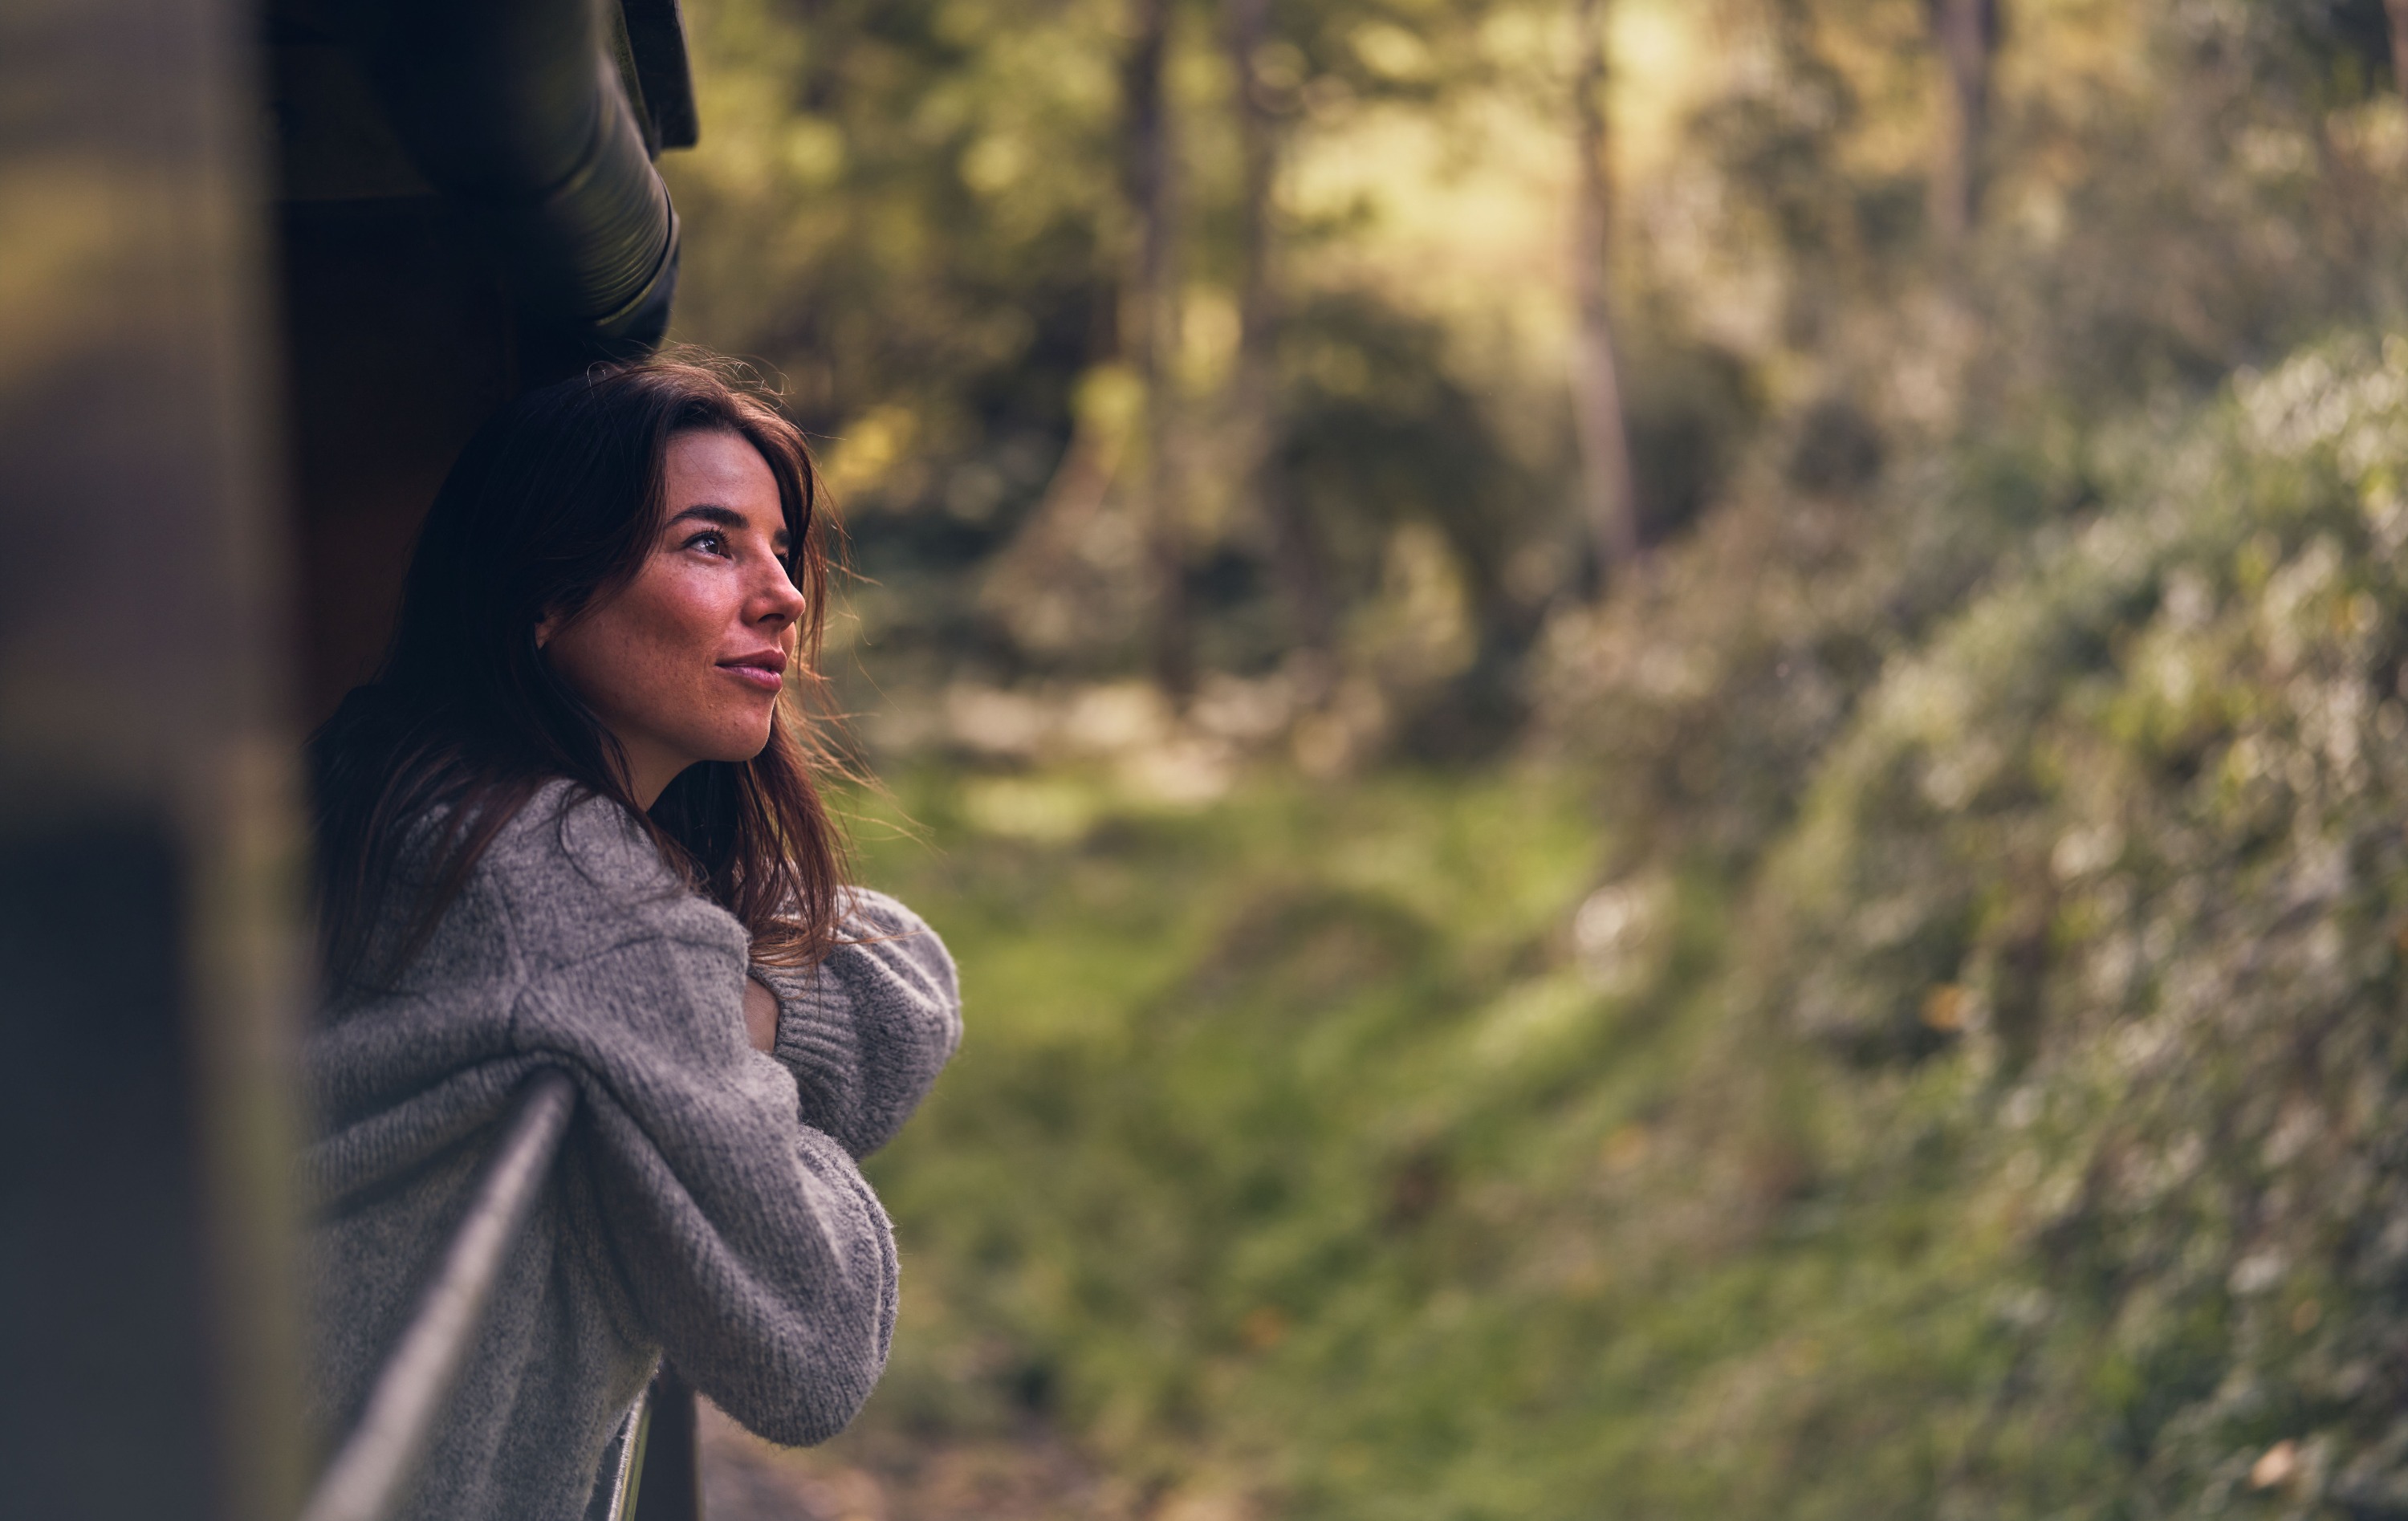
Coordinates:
x,y
760,1014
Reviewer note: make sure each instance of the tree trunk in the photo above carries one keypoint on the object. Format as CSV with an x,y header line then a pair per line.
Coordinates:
x,y
1300,570
1153,334
1966,32
1609,489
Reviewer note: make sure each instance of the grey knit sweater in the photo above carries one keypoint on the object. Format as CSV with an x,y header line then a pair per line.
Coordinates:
x,y
705,1204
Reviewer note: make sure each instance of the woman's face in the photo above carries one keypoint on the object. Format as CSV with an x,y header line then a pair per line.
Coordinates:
x,y
684,663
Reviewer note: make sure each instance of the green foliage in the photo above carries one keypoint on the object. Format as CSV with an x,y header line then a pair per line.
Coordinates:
x,y
2015,1134
916,217
2121,850
1916,1034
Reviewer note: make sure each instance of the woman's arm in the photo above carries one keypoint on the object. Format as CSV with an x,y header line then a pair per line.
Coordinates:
x,y
702,1213
746,1240
866,1031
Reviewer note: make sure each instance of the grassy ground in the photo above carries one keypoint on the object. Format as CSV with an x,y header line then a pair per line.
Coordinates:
x,y
1231,1070
1316,1152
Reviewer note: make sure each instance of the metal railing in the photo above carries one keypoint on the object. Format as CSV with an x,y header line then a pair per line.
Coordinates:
x,y
371,1472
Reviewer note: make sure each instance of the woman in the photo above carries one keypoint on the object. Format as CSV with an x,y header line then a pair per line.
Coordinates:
x,y
570,826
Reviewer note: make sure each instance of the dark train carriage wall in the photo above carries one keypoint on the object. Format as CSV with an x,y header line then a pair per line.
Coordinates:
x,y
465,209
462,202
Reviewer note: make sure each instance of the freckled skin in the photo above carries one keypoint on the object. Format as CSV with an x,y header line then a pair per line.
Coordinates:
x,y
655,659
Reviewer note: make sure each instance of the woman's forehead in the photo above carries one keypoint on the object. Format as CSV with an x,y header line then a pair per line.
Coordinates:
x,y
724,469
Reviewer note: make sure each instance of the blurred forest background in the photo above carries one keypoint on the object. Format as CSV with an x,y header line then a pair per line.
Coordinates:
x,y
1667,740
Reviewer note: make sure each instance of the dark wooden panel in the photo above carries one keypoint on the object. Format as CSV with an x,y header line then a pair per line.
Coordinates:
x,y
147,941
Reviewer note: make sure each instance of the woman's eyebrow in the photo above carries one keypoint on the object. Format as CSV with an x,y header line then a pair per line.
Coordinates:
x,y
727,517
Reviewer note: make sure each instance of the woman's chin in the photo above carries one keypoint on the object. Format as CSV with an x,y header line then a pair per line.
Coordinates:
x,y
743,748
735,738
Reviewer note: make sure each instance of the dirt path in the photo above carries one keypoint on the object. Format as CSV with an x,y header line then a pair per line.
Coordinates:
x,y
882,1476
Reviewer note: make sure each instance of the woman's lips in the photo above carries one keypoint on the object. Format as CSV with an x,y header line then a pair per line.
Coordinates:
x,y
764,678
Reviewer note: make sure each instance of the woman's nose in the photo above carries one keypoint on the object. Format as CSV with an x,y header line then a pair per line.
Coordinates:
x,y
778,600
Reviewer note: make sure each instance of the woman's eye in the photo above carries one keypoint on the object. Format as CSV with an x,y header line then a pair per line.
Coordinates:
x,y
709,543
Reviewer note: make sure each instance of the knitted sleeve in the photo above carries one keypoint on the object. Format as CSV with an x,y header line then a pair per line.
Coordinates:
x,y
744,1240
866,1031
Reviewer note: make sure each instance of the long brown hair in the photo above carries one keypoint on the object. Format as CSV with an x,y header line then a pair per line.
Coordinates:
x,y
556,502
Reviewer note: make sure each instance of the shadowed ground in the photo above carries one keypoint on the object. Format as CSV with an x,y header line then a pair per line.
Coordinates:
x,y
884,1477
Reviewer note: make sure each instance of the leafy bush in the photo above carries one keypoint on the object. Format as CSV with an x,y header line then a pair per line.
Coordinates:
x,y
2118,859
